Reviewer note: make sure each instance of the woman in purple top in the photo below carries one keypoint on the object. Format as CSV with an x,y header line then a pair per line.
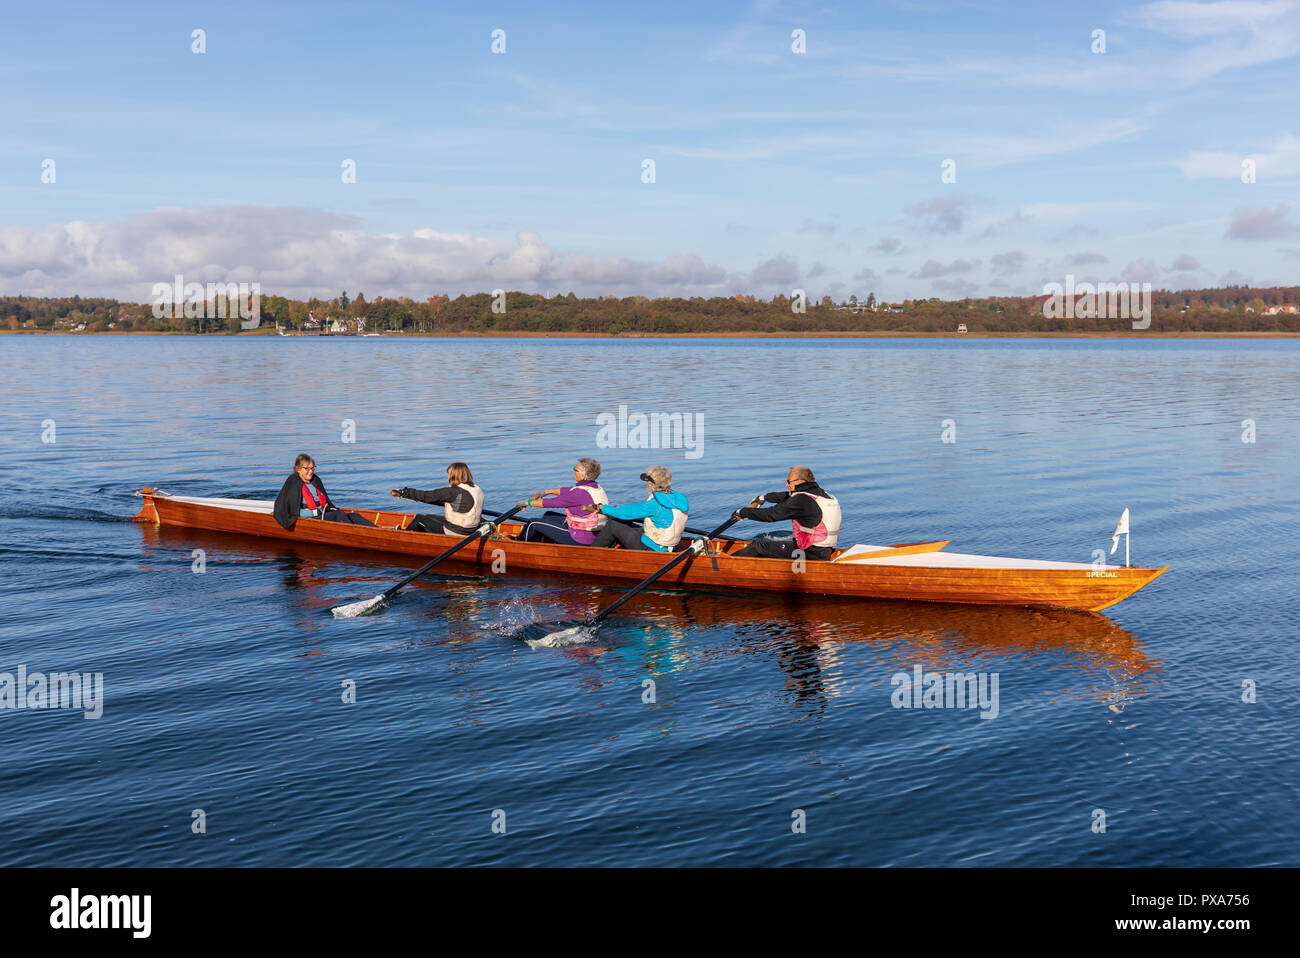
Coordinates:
x,y
575,526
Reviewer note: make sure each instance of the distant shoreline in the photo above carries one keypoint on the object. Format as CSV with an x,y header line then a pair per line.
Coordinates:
x,y
753,334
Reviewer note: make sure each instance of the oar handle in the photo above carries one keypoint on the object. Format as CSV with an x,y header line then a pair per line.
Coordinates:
x,y
705,535
694,532
681,557
485,530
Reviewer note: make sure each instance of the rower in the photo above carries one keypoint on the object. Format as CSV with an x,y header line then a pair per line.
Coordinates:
x,y
461,501
303,496
576,527
662,515
814,513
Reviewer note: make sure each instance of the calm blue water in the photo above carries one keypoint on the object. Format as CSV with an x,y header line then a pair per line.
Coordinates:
x,y
223,690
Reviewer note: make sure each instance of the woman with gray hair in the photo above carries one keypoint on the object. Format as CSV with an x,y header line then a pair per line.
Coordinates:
x,y
575,526
662,515
303,496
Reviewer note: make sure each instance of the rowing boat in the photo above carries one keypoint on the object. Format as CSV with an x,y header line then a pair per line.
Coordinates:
x,y
916,571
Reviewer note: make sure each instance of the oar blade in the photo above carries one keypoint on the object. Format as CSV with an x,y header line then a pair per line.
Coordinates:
x,y
354,609
366,606
556,635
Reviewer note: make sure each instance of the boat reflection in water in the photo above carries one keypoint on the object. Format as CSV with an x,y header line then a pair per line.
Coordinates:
x,y
825,645
822,643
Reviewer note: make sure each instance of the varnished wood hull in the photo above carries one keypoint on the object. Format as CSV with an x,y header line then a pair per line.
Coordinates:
x,y
1074,588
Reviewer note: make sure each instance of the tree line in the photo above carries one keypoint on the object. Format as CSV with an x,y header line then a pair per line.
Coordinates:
x,y
1229,309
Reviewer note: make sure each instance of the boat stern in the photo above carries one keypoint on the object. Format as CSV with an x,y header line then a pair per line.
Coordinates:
x,y
148,512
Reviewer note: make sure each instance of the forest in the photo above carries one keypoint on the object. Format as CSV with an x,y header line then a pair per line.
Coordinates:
x,y
1231,309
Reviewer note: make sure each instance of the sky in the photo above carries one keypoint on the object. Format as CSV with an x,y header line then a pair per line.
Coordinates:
x,y
126,157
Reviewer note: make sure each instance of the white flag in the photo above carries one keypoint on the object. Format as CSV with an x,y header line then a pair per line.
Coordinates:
x,y
1121,529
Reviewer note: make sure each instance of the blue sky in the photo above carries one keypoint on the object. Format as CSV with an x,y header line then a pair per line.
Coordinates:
x,y
773,170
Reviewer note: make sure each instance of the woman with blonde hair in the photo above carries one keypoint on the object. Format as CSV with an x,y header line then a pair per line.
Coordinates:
x,y
461,501
662,515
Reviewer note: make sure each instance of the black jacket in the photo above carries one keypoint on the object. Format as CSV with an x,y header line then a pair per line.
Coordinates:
x,y
289,502
459,499
789,506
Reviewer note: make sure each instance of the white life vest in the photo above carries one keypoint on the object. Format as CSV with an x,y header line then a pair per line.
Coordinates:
x,y
588,522
469,519
667,538
827,533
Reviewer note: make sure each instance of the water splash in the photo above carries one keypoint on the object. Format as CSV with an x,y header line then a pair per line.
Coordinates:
x,y
546,636
540,625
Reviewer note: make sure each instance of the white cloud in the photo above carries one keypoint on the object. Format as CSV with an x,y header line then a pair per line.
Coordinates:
x,y
958,288
1012,261
1192,20
1262,224
779,270
298,251
1179,43
943,214
933,268
1140,271
983,150
1282,158
769,148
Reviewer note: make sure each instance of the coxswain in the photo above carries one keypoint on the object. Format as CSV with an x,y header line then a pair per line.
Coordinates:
x,y
303,496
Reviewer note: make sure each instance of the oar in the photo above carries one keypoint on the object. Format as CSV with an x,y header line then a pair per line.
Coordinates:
x,y
353,609
539,631
694,532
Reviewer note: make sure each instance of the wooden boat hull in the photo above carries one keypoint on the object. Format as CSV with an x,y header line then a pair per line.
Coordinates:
x,y
1071,586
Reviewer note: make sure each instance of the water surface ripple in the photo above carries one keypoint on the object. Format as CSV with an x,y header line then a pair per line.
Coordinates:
x,y
223,691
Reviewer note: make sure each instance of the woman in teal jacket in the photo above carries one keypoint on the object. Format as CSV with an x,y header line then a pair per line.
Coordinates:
x,y
662,515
